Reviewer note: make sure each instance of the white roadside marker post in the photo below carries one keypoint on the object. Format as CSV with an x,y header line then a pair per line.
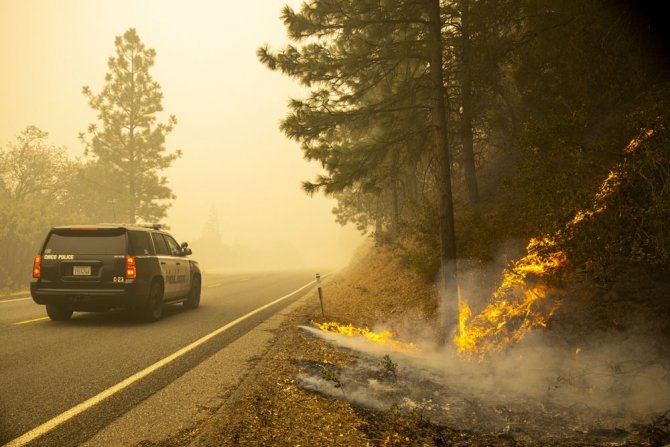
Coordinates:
x,y
318,282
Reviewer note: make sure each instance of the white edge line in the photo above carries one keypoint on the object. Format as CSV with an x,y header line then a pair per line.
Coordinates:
x,y
16,299
80,408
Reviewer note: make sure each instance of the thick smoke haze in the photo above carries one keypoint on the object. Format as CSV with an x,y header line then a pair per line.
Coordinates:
x,y
535,389
547,385
228,106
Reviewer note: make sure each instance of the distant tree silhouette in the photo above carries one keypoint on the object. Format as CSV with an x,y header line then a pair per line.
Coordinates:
x,y
209,246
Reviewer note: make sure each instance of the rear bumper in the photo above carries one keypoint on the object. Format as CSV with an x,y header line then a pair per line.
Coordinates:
x,y
90,299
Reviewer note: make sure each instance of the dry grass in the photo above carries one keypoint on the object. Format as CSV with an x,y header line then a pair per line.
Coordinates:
x,y
269,409
379,290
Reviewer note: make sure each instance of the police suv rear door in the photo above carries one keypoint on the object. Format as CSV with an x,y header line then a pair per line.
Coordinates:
x,y
86,257
168,265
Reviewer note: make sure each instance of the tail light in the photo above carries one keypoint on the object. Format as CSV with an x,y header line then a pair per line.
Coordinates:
x,y
37,267
131,268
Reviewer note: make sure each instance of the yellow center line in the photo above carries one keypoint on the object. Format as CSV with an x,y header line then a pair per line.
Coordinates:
x,y
214,285
31,321
51,424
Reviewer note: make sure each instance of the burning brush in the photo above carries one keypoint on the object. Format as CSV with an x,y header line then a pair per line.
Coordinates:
x,y
515,307
384,338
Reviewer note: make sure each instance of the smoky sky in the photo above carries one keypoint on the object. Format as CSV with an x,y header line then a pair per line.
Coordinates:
x,y
228,106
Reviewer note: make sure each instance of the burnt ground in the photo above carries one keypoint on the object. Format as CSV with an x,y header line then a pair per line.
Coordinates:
x,y
306,391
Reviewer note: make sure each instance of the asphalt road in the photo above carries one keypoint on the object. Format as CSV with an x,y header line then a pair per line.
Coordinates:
x,y
48,368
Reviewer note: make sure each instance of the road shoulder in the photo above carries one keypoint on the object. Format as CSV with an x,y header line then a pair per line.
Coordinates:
x,y
183,408
268,408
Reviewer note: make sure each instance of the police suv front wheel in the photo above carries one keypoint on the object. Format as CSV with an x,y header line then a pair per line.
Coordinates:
x,y
193,299
59,312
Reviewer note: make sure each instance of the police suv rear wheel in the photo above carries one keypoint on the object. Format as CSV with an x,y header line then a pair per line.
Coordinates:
x,y
153,309
193,300
59,312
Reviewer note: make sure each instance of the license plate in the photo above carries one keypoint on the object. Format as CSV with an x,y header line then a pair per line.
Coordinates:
x,y
81,270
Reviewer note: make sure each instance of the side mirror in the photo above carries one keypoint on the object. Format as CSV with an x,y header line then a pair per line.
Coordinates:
x,y
185,251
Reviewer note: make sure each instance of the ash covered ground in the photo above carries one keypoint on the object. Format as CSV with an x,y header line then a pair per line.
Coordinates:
x,y
529,395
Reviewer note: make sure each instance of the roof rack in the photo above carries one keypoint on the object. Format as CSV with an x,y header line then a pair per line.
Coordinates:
x,y
111,224
153,226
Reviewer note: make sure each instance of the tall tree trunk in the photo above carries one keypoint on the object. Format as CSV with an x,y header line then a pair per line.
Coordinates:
x,y
446,207
466,98
395,225
378,228
132,187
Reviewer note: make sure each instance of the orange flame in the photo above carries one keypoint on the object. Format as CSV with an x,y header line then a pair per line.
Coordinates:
x,y
514,309
383,337
515,306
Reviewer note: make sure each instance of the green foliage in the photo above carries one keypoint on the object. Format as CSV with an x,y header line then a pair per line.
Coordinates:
x,y
576,79
424,260
388,368
630,227
29,167
330,374
422,255
478,233
128,150
36,181
367,117
544,86
361,209
572,66
553,179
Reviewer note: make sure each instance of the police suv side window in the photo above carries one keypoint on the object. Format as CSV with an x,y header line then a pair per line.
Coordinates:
x,y
139,243
161,245
173,245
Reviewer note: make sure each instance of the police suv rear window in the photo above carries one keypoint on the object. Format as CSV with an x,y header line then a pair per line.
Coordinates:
x,y
86,242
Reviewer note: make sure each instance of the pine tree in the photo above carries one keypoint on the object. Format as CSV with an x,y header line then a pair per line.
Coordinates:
x,y
377,109
129,146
